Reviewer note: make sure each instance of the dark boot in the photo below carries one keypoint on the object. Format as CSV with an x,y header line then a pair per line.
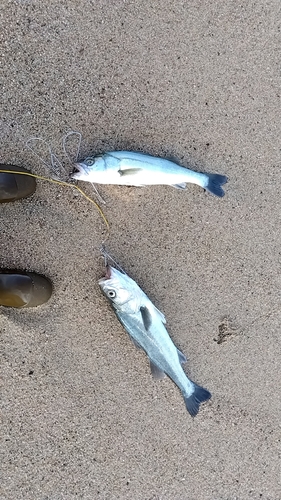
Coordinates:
x,y
23,289
14,187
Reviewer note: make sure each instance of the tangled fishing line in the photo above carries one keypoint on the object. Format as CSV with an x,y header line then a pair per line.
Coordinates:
x,y
58,174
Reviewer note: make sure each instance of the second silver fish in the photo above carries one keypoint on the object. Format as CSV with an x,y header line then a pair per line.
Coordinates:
x,y
146,327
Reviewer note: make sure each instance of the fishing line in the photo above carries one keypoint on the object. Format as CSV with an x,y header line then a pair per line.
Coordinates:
x,y
106,256
62,183
64,144
56,169
36,154
97,193
57,166
64,139
54,159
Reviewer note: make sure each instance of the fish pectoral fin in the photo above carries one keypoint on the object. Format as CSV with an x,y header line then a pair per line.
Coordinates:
x,y
156,372
180,185
129,171
181,356
146,317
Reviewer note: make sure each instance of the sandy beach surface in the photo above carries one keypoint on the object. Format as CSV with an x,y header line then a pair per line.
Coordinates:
x,y
82,417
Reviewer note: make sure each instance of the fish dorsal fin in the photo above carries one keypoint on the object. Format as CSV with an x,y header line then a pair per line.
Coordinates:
x,y
156,372
129,171
181,185
146,317
181,356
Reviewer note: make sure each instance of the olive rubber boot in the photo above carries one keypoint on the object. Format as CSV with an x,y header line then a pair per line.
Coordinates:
x,y
15,186
23,289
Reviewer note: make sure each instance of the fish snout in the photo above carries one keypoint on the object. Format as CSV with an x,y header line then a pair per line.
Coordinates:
x,y
78,172
107,275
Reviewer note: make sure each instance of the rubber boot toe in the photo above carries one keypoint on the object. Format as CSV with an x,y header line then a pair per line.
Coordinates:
x,y
15,186
24,289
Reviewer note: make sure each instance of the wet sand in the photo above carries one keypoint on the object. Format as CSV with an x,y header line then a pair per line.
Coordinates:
x,y
82,417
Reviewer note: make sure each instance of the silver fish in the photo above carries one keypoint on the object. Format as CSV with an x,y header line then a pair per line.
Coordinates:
x,y
145,325
137,169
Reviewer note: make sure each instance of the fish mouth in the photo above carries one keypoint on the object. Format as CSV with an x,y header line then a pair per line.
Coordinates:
x,y
107,276
107,273
77,171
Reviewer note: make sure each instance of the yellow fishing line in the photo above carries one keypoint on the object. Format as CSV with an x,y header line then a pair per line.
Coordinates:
x,y
62,183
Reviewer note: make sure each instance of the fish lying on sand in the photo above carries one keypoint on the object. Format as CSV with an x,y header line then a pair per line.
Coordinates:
x,y
145,325
137,169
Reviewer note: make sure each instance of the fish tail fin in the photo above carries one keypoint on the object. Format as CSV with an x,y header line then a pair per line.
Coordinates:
x,y
193,401
215,183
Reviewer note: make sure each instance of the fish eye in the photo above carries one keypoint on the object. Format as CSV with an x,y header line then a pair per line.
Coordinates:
x,y
89,162
111,294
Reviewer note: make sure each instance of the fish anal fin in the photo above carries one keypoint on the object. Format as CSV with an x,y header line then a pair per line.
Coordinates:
x,y
136,344
162,317
156,372
146,317
181,356
180,185
129,171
